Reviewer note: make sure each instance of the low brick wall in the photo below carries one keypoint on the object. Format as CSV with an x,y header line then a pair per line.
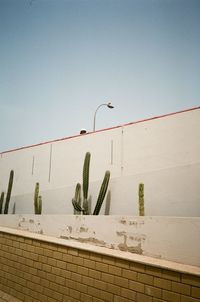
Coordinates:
x,y
35,270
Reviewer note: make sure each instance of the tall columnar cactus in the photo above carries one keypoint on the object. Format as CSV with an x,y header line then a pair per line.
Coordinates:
x,y
84,206
141,199
102,193
8,195
86,174
37,199
1,202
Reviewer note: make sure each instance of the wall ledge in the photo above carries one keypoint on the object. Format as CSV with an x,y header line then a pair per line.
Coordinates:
x,y
160,263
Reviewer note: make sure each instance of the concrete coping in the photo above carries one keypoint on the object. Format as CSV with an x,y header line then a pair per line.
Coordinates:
x,y
146,260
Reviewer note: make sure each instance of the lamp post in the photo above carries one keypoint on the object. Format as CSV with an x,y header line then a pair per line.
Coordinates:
x,y
109,105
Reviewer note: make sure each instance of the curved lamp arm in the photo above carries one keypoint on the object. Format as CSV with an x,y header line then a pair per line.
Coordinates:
x,y
109,105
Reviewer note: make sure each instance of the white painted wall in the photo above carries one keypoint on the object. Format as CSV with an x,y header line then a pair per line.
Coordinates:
x,y
171,238
162,153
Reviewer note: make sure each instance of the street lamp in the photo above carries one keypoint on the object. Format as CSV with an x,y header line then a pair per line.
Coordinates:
x,y
109,105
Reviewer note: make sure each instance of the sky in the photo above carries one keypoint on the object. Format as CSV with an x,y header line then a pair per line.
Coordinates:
x,y
61,59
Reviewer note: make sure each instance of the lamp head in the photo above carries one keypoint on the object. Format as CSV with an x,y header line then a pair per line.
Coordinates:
x,y
109,105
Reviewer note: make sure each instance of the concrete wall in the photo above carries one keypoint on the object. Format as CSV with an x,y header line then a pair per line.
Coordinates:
x,y
163,153
171,238
34,270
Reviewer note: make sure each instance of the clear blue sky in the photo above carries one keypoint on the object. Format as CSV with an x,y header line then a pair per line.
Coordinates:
x,y
60,59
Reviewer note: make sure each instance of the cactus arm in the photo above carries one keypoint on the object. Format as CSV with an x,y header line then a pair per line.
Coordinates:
x,y
76,206
36,195
8,195
39,205
1,202
102,193
141,199
86,170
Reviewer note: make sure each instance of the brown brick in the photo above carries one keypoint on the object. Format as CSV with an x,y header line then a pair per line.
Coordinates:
x,y
180,288
74,294
72,251
76,277
171,275
57,255
87,280
123,282
108,260
94,292
137,267
96,257
82,270
157,300
129,274
94,274
111,288
82,288
191,280
127,293
122,263
154,271
102,267
144,278
60,280
195,292
136,286
100,284
89,263
114,270
162,283
71,267
86,298
153,291
51,261
105,296
120,299
170,296
84,254
143,298
77,260
107,278
61,264
188,299
67,258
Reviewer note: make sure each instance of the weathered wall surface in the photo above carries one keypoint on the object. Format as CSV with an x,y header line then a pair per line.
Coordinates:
x,y
34,270
162,153
170,238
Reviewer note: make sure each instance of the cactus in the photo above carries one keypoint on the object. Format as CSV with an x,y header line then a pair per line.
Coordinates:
x,y
102,193
86,172
39,204
141,199
76,201
1,202
37,199
8,195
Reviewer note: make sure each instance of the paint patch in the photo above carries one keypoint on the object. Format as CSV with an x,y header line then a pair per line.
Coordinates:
x,y
90,240
31,220
83,230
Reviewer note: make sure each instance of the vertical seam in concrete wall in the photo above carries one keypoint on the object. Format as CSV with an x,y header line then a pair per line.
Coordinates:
x,y
33,164
122,150
50,162
111,155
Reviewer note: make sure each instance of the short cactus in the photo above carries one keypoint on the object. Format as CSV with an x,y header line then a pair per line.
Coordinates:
x,y
37,199
141,199
8,195
1,202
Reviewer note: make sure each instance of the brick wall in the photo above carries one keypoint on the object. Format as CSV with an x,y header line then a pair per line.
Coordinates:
x,y
33,270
